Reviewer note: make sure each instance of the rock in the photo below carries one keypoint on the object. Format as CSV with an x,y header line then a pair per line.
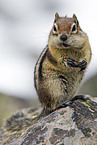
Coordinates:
x,y
72,125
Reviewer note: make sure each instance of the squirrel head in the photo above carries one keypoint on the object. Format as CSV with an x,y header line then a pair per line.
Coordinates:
x,y
66,33
65,24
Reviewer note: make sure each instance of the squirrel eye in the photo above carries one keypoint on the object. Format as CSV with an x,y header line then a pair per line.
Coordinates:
x,y
74,28
55,28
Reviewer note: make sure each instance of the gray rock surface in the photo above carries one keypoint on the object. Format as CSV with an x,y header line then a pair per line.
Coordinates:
x,y
74,125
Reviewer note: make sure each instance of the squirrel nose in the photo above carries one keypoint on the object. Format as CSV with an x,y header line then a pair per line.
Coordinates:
x,y
63,37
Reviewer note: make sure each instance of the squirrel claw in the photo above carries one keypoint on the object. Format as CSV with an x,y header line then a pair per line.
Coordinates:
x,y
82,65
71,62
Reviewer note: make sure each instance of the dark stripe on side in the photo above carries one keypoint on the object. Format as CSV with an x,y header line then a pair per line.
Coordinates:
x,y
41,64
51,58
63,79
63,82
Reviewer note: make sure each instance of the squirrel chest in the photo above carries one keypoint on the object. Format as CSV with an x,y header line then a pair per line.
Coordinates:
x,y
62,64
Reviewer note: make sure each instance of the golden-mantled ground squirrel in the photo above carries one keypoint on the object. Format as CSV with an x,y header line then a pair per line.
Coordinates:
x,y
62,64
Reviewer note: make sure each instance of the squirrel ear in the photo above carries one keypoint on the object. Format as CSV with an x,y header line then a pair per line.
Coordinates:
x,y
75,19
56,16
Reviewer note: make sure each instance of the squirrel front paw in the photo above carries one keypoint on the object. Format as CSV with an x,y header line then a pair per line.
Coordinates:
x,y
82,64
73,63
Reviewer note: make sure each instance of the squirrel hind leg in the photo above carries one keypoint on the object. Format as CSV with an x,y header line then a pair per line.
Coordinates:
x,y
69,102
81,97
63,105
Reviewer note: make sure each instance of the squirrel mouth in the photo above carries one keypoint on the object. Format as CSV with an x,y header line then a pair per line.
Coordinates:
x,y
65,44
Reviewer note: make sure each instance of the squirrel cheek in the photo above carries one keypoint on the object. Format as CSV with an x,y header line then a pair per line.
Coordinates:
x,y
76,42
53,41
